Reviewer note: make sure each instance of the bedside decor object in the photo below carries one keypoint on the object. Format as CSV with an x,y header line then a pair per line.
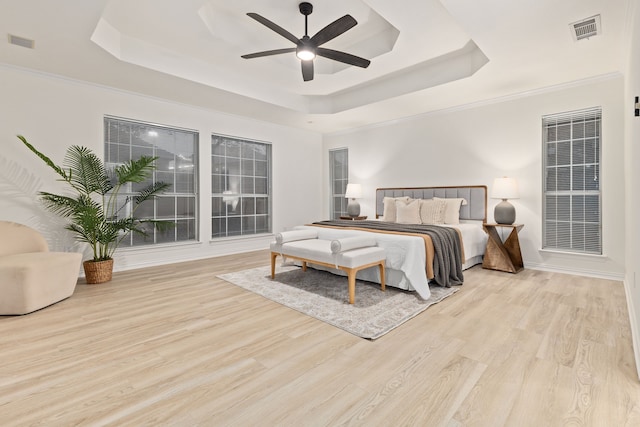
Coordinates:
x,y
503,256
504,188
354,191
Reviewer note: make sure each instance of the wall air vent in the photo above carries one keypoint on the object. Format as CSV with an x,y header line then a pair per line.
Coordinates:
x,y
586,28
21,41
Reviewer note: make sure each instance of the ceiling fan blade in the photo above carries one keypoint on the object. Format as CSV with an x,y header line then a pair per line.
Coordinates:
x,y
269,53
275,27
347,58
334,29
307,70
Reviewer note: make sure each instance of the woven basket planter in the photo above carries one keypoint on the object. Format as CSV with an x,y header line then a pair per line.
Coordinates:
x,y
98,271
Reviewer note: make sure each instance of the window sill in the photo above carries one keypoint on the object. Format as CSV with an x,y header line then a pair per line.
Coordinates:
x,y
159,246
246,237
572,254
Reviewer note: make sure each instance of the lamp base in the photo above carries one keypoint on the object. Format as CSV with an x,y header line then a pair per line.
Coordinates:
x,y
504,213
353,208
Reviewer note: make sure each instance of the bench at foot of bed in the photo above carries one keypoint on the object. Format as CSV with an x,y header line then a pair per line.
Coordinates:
x,y
348,255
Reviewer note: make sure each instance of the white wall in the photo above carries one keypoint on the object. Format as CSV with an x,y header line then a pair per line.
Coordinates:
x,y
475,144
632,172
54,113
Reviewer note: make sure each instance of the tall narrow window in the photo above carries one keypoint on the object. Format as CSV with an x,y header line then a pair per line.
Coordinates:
x,y
241,187
176,150
572,197
339,176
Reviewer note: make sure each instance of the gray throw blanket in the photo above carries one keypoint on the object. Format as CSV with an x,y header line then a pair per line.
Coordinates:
x,y
447,259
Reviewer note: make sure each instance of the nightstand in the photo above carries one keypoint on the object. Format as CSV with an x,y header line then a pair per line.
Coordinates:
x,y
503,256
354,218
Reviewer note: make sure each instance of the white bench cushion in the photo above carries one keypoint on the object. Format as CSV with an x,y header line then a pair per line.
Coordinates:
x,y
316,249
363,256
320,250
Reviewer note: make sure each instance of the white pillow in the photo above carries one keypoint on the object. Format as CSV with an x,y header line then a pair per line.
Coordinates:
x,y
293,235
432,211
452,210
408,213
348,243
389,212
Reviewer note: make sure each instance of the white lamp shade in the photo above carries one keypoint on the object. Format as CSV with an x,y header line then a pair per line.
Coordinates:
x,y
505,188
354,191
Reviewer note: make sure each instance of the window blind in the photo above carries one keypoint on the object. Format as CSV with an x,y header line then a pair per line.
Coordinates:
x,y
571,188
339,177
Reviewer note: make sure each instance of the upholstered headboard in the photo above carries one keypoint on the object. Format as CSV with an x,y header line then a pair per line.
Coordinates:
x,y
475,195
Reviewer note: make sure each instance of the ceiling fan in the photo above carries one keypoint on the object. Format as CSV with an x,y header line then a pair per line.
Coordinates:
x,y
307,48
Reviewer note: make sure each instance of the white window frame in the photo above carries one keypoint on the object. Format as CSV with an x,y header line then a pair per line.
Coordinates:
x,y
338,180
571,187
135,138
241,196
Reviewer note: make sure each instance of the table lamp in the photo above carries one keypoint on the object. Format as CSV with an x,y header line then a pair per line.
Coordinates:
x,y
504,188
354,191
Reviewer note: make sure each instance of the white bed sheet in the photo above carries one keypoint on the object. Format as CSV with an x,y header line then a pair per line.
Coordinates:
x,y
474,240
405,255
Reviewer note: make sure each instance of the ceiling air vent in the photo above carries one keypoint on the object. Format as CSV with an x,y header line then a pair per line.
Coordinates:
x,y
586,28
21,41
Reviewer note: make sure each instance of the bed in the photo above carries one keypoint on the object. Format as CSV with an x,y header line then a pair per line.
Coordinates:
x,y
408,255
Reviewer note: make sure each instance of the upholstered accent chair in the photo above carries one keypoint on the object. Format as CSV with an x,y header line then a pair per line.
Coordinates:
x,y
31,277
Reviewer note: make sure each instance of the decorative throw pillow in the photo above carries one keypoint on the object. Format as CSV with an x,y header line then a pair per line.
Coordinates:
x,y
408,213
389,212
432,211
452,210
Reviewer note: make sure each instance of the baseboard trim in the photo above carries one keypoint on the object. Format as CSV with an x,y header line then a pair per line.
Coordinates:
x,y
580,272
170,254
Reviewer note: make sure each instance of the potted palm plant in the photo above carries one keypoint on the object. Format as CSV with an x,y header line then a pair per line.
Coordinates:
x,y
99,214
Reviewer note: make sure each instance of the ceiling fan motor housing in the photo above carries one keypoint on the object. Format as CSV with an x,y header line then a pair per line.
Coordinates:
x,y
306,8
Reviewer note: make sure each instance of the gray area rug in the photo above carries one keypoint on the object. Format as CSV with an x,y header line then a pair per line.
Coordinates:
x,y
325,296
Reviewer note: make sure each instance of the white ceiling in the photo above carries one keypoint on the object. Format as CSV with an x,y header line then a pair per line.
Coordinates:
x,y
425,55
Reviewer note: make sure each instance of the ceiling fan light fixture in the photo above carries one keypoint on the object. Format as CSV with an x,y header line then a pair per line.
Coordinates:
x,y
305,53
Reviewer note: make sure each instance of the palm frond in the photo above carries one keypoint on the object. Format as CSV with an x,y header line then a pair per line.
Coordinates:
x,y
44,158
88,173
151,191
135,170
61,205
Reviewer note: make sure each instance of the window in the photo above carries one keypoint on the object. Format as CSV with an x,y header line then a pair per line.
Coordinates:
x,y
241,187
339,176
571,203
176,150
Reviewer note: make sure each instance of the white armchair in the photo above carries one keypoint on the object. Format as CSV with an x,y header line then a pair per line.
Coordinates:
x,y
31,277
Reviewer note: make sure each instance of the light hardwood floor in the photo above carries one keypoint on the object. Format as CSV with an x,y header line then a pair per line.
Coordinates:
x,y
176,346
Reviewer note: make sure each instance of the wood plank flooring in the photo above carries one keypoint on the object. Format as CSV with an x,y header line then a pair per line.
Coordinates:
x,y
176,346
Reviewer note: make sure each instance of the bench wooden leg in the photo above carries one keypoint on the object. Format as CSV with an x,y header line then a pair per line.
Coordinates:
x,y
273,264
351,274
